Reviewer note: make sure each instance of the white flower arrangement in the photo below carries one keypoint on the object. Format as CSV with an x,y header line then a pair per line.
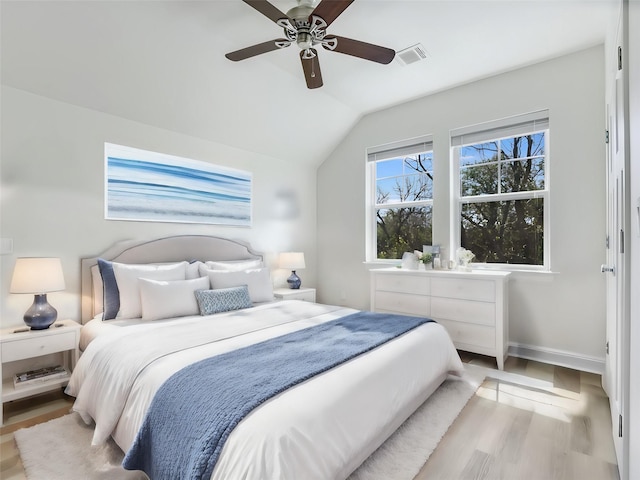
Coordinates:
x,y
464,256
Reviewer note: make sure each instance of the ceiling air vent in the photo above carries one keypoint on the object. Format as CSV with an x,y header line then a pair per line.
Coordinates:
x,y
412,54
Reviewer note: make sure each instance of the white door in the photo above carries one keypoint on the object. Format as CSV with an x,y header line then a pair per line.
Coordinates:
x,y
615,270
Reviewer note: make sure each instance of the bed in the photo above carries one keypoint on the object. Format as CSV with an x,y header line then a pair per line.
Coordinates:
x,y
322,427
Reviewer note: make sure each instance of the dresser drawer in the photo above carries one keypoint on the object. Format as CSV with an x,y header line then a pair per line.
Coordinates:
x,y
482,313
418,284
467,334
403,303
37,345
467,289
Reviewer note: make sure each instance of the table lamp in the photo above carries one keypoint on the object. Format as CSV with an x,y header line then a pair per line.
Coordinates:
x,y
292,261
38,276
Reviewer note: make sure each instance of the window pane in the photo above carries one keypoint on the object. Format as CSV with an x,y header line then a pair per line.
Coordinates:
x,y
402,230
388,190
389,168
522,175
479,180
480,153
422,162
418,187
406,179
504,232
522,147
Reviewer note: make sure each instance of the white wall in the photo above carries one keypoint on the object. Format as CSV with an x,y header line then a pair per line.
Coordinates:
x,y
562,312
52,187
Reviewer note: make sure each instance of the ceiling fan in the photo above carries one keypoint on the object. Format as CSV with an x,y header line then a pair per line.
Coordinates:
x,y
306,26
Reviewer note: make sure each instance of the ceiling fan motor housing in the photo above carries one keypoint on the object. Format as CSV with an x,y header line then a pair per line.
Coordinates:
x,y
303,28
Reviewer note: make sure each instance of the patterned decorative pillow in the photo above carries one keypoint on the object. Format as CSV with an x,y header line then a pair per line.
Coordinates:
x,y
223,299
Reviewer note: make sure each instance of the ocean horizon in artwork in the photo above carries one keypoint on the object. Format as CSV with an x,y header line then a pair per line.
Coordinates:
x,y
173,189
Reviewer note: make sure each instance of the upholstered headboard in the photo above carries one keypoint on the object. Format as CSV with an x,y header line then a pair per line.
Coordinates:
x,y
163,250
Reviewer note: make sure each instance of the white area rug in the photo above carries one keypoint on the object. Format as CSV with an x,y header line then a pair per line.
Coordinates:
x,y
61,448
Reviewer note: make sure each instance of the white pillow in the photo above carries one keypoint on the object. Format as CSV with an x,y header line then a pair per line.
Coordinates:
x,y
233,265
193,269
258,281
167,299
127,278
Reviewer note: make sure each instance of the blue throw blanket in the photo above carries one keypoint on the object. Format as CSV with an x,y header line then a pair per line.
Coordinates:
x,y
195,410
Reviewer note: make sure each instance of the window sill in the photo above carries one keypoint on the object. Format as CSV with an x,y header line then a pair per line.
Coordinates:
x,y
514,269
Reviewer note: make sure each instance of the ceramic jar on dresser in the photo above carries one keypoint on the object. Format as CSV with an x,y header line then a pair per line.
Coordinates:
x,y
472,306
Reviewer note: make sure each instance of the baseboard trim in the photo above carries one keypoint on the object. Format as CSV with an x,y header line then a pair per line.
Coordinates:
x,y
558,357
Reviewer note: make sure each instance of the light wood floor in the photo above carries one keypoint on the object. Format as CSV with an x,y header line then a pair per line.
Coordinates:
x,y
532,422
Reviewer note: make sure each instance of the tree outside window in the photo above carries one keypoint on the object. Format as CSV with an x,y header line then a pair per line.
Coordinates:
x,y
502,199
403,204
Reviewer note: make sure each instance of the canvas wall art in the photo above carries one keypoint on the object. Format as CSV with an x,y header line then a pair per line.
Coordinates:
x,y
155,187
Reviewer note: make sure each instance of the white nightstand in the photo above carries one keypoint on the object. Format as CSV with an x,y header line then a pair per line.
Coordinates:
x,y
21,351
306,294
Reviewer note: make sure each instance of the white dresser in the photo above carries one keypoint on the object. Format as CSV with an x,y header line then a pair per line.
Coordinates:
x,y
472,306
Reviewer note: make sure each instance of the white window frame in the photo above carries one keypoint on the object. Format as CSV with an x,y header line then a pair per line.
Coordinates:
x,y
388,151
510,127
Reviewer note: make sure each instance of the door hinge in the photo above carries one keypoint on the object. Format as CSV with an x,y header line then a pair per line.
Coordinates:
x,y
606,136
620,426
607,348
619,58
607,242
621,241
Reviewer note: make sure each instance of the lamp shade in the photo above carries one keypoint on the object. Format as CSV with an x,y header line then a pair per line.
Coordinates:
x,y
37,275
291,260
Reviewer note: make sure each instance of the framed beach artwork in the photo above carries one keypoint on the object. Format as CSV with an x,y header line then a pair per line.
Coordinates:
x,y
155,187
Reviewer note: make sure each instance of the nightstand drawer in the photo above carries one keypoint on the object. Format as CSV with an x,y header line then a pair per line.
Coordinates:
x,y
305,294
38,345
309,296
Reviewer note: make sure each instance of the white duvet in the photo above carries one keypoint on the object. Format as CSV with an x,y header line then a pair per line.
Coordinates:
x,y
321,429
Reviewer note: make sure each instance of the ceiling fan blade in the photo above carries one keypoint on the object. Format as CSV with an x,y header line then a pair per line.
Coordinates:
x,y
258,49
266,9
356,48
329,10
311,68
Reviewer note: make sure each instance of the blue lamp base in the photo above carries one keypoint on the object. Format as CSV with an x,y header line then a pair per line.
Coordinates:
x,y
294,280
40,314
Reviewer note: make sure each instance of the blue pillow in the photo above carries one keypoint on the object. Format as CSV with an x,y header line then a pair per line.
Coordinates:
x,y
110,292
223,299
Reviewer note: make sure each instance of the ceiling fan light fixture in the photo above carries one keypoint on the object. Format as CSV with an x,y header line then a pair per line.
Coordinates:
x,y
304,41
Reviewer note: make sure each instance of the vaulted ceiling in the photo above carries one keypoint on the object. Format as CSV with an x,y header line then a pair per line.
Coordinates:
x,y
162,62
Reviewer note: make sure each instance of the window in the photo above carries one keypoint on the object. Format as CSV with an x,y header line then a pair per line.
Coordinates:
x,y
502,190
400,198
